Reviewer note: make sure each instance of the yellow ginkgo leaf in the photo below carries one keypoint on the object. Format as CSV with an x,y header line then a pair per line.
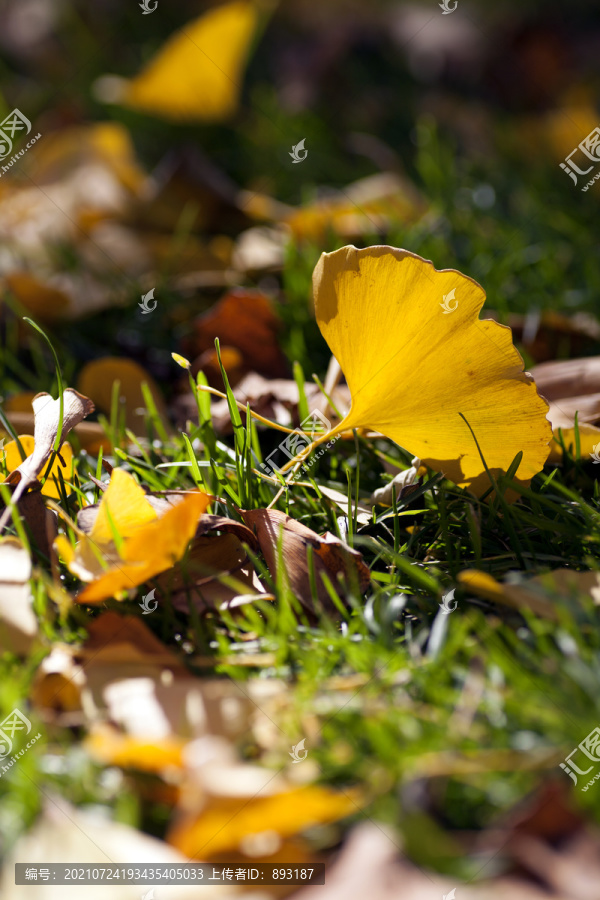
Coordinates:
x,y
129,543
225,822
417,359
12,459
197,75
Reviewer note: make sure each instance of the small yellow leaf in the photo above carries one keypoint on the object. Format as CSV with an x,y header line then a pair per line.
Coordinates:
x,y
414,365
124,501
197,75
13,460
148,544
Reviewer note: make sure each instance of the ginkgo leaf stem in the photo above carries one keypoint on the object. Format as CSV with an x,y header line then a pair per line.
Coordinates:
x,y
242,406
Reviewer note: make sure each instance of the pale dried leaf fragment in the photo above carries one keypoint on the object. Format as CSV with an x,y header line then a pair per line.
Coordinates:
x,y
47,421
64,834
18,624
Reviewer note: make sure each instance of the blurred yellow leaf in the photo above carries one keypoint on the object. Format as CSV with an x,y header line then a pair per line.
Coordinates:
x,y
148,544
534,593
197,75
110,747
415,361
13,461
373,203
226,822
44,301
96,380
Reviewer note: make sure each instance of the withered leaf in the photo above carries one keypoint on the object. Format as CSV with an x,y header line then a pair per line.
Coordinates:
x,y
47,413
330,555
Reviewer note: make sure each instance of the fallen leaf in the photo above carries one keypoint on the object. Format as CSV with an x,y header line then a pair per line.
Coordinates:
x,y
400,484
209,560
113,638
572,387
250,804
534,593
18,623
363,515
62,463
65,834
196,75
97,378
330,556
244,320
45,302
41,522
362,208
47,423
111,748
150,544
568,378
412,370
90,435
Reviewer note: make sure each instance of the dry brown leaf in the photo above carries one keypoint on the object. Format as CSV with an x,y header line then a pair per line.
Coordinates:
x,y
209,559
369,865
245,320
568,378
330,556
547,334
125,639
41,522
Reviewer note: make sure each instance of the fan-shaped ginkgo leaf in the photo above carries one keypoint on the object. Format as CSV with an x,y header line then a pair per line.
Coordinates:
x,y
413,370
129,543
197,75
